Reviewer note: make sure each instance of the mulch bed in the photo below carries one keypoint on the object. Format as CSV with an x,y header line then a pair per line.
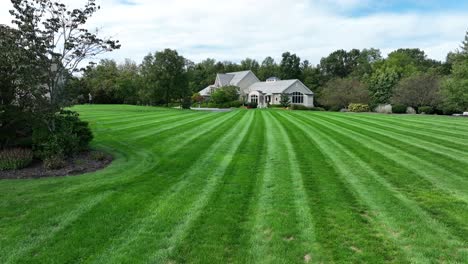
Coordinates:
x,y
80,164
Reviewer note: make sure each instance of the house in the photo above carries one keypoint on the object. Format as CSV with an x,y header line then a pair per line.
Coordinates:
x,y
263,93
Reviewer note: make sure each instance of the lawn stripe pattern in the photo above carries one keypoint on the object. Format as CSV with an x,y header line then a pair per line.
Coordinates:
x,y
250,186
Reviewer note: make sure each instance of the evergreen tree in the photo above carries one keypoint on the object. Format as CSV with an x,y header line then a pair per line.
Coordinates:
x,y
464,45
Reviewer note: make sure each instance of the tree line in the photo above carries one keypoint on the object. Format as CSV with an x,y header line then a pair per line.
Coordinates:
x,y
404,77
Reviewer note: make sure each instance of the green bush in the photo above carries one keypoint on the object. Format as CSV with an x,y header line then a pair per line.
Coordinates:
x,y
429,110
186,103
252,105
65,135
276,106
335,109
399,109
317,109
16,158
54,162
299,107
358,108
450,110
225,95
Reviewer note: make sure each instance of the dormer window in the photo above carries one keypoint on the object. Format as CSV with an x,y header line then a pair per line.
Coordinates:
x,y
272,79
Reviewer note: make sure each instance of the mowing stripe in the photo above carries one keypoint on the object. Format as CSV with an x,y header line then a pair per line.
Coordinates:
x,y
388,202
452,131
344,229
24,247
443,161
276,235
173,229
305,221
449,148
449,183
451,210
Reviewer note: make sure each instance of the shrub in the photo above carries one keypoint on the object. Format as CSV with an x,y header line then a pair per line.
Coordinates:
x,y
252,105
186,103
235,104
399,109
69,136
284,100
358,108
425,110
317,109
225,95
54,162
16,158
335,109
299,107
275,106
450,110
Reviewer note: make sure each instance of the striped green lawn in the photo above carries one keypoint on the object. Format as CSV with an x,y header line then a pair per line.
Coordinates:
x,y
250,186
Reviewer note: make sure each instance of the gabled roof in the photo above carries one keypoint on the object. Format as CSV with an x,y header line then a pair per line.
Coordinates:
x,y
206,91
224,79
238,76
272,87
277,87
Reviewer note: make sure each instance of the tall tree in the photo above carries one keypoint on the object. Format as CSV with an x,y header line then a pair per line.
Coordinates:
x,y
418,90
464,45
268,69
166,71
339,93
250,64
290,67
59,34
455,88
381,85
340,63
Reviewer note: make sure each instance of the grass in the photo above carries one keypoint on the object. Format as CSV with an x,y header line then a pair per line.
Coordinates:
x,y
250,186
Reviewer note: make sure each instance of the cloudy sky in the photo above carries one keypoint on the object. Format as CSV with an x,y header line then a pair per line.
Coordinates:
x,y
236,29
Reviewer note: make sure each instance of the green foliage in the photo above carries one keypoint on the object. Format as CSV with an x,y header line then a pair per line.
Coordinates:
x,y
299,107
455,88
285,101
381,85
464,45
66,135
165,76
339,93
399,109
15,158
53,162
290,67
418,90
59,36
186,102
319,109
252,105
358,108
268,69
250,64
225,95
428,110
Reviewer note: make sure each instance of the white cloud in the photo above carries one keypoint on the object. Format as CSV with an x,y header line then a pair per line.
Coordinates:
x,y
233,30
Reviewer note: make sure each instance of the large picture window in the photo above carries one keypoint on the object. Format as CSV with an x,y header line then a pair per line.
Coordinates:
x,y
297,98
254,98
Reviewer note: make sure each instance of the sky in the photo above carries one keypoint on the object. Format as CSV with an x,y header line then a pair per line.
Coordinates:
x,y
236,29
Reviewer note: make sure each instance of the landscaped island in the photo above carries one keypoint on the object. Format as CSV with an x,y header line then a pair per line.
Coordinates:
x,y
250,186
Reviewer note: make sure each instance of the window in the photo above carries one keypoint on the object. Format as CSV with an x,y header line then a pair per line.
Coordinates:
x,y
297,98
254,98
